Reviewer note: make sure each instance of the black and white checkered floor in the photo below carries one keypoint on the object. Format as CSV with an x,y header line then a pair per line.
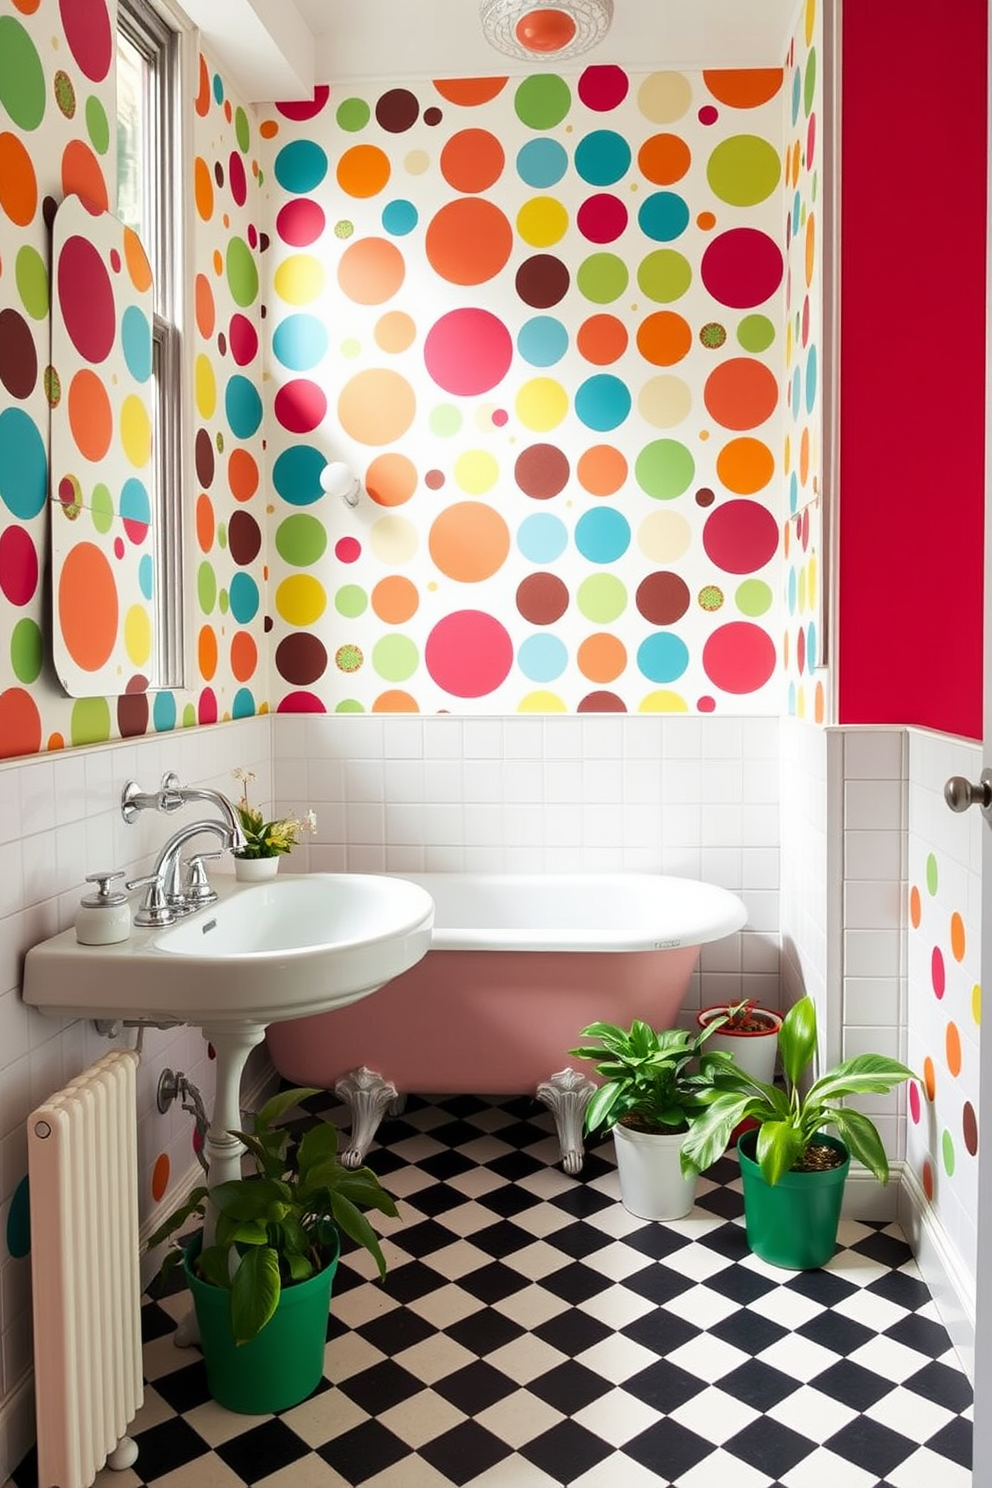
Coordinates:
x,y
532,1333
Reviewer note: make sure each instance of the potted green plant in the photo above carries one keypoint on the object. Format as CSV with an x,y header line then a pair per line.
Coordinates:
x,y
652,1087
748,1033
265,841
262,1285
793,1171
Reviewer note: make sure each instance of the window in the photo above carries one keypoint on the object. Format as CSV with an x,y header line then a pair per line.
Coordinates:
x,y
150,200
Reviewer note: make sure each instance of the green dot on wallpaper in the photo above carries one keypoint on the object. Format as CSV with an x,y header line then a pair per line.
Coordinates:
x,y
601,598
242,129
395,658
189,716
445,420
90,721
931,873
353,114
31,278
26,651
947,1153
349,705
222,534
542,101
97,124
206,588
223,602
350,600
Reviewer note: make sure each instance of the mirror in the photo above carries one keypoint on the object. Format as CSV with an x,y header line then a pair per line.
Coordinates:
x,y
101,392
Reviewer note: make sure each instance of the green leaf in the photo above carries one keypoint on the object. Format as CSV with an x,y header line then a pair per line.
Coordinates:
x,y
214,1265
780,1144
194,1205
861,1136
318,1145
357,1228
865,1074
250,1198
709,1133
300,1267
601,1108
797,1040
255,1291
284,1101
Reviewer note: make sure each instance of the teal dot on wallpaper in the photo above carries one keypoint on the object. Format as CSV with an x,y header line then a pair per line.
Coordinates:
x,y
242,273
300,342
602,535
791,701
19,1222
300,166
797,389
243,705
542,341
797,212
352,115
542,658
542,100
218,88
399,218
811,643
756,333
601,598
809,82
301,540
931,874
542,538
206,588
351,600
395,658
542,163
791,591
296,474
244,598
662,657
602,402
22,77
26,651
664,275
663,216
753,597
146,575
31,278
97,125
602,278
242,129
164,712
797,95
349,705
24,464
793,493
811,379
947,1153
136,343
445,420
664,469
243,406
602,157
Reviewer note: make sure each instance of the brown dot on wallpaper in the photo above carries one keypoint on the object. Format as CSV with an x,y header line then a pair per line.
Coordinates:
x,y
397,110
203,452
434,480
263,241
267,624
243,537
18,358
969,1124
301,659
662,598
542,281
48,209
132,709
222,344
542,598
218,173
601,702
704,496
541,471
433,116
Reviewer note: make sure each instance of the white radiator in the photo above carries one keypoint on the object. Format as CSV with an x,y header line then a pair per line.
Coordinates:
x,y
86,1288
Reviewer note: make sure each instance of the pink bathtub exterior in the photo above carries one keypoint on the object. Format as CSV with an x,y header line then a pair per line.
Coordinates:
x,y
481,1015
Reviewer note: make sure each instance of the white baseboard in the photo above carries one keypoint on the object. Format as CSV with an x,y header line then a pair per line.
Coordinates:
x,y
941,1268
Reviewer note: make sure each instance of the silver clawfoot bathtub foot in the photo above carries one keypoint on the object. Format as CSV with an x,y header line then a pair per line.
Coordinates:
x,y
367,1095
567,1094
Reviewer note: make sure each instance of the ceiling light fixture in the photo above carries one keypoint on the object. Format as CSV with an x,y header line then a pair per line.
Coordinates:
x,y
545,30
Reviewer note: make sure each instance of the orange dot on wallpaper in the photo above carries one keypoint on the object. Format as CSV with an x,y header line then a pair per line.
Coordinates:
x,y
810,248
601,470
472,160
469,541
226,221
785,651
395,599
242,475
87,606
957,937
371,271
218,262
470,92
203,89
664,338
20,722
745,465
160,1176
804,457
138,267
26,7
83,174
741,393
395,331
395,701
601,657
376,406
915,907
952,1047
664,159
268,128
244,655
929,1078
706,221
205,523
363,170
602,339
228,111
203,189
468,241
391,479
205,312
18,184
927,1179
56,741
206,651
786,539
91,417
819,703
743,87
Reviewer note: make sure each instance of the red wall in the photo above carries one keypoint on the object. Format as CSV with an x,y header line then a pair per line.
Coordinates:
x,y
912,362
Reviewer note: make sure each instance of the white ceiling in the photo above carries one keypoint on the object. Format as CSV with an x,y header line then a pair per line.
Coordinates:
x,y
278,49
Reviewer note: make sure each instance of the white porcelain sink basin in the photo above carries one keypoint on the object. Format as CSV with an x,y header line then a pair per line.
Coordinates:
x,y
302,943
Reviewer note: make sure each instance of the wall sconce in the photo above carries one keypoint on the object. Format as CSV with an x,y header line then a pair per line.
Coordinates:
x,y
539,30
337,480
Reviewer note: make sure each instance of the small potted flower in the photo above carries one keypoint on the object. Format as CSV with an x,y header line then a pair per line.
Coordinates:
x,y
748,1033
265,841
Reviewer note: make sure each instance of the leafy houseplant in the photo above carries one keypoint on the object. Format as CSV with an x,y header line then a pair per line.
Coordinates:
x,y
749,1034
267,839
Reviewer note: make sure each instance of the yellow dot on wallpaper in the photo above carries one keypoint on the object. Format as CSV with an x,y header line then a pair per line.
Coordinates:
x,y
138,634
476,471
801,702
787,455
417,162
663,700
788,344
976,1003
393,540
664,536
301,599
541,702
136,431
299,279
810,20
542,221
541,404
205,386
957,937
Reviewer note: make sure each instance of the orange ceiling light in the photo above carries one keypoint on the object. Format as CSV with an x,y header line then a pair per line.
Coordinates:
x,y
542,30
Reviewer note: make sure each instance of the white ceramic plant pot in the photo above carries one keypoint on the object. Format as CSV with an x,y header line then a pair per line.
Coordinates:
x,y
755,1053
254,870
651,1181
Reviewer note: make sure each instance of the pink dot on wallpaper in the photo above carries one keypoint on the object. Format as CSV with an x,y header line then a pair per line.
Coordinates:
x,y
236,178
244,339
739,657
740,536
915,1108
469,653
301,702
603,88
18,565
300,405
306,109
468,241
706,704
347,550
468,351
86,24
742,267
86,299
602,218
938,975
300,222
206,710
708,114
119,548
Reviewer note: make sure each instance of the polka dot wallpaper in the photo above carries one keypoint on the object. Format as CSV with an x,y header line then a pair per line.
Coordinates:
x,y
543,319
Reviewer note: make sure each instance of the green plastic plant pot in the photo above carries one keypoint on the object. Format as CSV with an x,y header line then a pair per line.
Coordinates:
x,y
792,1223
282,1364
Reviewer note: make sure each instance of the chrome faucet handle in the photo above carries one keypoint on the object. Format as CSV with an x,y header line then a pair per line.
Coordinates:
x,y
168,797
198,889
155,910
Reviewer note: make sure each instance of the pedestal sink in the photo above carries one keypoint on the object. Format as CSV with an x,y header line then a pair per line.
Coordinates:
x,y
302,943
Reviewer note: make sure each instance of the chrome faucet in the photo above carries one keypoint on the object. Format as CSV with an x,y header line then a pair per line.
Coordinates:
x,y
171,893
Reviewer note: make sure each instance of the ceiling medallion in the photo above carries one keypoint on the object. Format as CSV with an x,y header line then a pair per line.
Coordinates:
x,y
540,30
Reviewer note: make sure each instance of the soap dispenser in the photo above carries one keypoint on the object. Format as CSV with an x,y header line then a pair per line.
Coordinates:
x,y
103,918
